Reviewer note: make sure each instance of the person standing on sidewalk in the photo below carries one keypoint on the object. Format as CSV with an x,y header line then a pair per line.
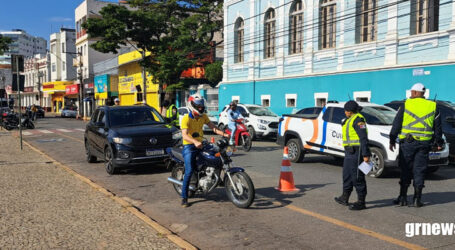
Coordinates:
x,y
417,124
355,142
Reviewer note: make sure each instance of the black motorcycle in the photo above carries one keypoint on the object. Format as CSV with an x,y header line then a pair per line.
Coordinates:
x,y
213,168
11,121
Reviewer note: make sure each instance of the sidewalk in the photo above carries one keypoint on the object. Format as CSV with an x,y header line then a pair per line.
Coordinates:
x,y
44,206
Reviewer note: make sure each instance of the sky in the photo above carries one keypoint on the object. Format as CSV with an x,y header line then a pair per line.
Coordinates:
x,y
38,17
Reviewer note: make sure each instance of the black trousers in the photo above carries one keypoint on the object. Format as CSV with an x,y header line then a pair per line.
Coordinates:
x,y
413,161
352,176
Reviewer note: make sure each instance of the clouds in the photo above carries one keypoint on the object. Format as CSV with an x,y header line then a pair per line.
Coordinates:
x,y
59,19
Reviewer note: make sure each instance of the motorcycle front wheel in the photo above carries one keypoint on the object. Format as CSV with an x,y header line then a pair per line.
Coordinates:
x,y
178,172
30,125
242,192
247,142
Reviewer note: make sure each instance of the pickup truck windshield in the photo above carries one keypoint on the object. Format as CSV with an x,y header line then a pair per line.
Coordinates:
x,y
134,117
261,111
378,115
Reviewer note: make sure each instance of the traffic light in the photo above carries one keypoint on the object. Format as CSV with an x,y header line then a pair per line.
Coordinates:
x,y
21,82
14,63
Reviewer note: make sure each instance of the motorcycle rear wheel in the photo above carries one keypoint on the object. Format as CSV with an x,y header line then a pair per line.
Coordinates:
x,y
178,172
243,195
247,142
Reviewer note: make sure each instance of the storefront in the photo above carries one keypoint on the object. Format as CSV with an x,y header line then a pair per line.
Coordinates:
x,y
56,91
71,95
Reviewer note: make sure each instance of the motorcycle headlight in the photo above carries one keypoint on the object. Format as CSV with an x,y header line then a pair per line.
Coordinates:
x,y
122,140
263,121
177,135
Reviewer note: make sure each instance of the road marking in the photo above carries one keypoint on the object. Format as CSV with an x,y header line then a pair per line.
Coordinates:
x,y
27,133
70,137
80,129
63,130
347,225
128,206
44,131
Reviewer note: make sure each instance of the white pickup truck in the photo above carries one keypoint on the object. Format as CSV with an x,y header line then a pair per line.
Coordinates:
x,y
318,130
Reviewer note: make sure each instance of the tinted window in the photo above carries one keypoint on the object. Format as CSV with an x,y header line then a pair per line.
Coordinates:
x,y
327,113
378,115
95,115
446,113
261,111
134,117
241,110
394,105
310,111
338,115
101,117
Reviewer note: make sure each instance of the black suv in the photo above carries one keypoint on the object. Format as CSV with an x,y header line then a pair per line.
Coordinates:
x,y
447,112
125,136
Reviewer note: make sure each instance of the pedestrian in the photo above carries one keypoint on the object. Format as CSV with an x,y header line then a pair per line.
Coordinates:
x,y
355,142
164,107
34,109
233,115
417,124
193,135
172,115
116,102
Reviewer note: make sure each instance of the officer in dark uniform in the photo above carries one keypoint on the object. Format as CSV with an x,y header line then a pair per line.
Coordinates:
x,y
355,142
418,127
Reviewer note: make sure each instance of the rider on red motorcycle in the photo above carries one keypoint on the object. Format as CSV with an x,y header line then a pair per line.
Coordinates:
x,y
234,116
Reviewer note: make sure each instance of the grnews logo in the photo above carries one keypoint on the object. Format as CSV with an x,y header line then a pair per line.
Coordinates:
x,y
428,229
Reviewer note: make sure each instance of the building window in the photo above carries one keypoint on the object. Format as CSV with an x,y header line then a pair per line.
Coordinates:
x,y
296,28
291,100
53,49
239,40
63,47
265,100
362,96
327,24
269,34
63,66
424,16
367,22
53,67
320,99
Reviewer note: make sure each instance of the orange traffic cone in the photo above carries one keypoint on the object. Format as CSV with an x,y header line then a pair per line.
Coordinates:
x,y
212,140
286,183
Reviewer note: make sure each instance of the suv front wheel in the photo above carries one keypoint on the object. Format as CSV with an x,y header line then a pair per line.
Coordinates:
x,y
295,151
377,158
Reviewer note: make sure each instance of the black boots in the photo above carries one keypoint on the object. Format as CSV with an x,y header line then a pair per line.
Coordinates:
x,y
358,205
344,198
402,199
417,197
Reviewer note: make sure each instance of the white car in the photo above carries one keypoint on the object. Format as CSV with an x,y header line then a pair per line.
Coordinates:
x,y
261,121
317,130
184,110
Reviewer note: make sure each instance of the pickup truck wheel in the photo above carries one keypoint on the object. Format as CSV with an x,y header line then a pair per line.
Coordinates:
x,y
252,132
377,158
296,153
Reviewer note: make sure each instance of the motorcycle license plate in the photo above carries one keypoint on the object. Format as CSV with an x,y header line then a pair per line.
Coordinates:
x,y
434,156
154,152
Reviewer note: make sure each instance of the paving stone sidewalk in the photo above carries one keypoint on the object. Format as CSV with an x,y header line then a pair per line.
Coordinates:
x,y
44,207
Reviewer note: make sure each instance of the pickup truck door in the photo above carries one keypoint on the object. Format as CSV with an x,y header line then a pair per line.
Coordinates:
x,y
100,131
334,116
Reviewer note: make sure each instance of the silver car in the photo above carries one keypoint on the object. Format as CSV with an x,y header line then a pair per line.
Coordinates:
x,y
69,112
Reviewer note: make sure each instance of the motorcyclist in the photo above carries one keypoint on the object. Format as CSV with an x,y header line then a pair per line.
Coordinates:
x,y
233,115
193,136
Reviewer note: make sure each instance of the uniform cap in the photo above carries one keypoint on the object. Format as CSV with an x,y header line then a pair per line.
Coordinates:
x,y
418,87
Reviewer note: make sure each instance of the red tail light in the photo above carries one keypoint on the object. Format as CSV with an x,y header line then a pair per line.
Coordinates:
x,y
4,114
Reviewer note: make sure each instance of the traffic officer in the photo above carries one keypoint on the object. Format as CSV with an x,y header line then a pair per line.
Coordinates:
x,y
417,125
173,115
355,142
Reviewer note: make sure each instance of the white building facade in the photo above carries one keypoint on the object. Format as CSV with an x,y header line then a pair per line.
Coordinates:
x,y
62,52
36,70
25,44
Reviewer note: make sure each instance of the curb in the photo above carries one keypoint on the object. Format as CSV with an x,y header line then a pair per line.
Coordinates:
x,y
128,206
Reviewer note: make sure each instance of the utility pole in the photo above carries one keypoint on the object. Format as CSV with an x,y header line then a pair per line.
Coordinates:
x,y
80,96
144,81
19,92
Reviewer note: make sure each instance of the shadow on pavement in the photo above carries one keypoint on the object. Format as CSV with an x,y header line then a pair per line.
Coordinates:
x,y
429,199
145,170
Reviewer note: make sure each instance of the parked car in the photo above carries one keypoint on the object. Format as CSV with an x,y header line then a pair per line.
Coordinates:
x,y
69,111
320,132
447,112
126,136
261,121
40,113
184,110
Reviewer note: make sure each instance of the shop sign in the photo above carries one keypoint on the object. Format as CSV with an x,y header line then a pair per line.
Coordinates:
x,y
101,83
72,89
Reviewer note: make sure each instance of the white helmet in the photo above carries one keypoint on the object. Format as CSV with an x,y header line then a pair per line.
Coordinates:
x,y
196,105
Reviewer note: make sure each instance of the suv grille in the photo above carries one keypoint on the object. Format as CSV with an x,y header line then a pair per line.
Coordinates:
x,y
162,141
273,125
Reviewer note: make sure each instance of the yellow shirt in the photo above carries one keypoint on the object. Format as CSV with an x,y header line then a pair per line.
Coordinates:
x,y
194,126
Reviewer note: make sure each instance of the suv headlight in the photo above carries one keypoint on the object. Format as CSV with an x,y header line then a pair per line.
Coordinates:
x,y
177,135
122,140
263,121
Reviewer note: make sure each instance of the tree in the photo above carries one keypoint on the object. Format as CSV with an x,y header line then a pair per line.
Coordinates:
x,y
214,72
175,33
4,44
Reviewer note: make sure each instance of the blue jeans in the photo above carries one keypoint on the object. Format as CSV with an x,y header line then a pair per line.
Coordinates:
x,y
233,128
189,156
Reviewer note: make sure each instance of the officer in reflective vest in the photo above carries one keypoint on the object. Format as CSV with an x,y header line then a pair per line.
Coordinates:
x,y
355,142
173,115
417,125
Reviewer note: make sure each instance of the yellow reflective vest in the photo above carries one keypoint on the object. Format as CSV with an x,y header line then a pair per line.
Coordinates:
x,y
350,136
170,115
418,119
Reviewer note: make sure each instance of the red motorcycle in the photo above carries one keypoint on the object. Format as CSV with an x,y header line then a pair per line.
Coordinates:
x,y
242,137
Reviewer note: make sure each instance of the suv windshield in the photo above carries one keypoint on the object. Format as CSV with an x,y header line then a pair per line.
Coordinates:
x,y
261,111
134,117
378,115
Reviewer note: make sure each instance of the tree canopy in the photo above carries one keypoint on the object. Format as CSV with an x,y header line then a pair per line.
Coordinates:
x,y
175,32
4,44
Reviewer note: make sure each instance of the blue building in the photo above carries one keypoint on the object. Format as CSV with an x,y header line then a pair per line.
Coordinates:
x,y
294,54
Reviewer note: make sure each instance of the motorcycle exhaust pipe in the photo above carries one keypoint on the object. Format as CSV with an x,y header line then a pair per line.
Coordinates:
x,y
180,183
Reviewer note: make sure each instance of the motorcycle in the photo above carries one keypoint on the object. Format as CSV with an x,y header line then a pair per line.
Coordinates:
x,y
11,121
242,136
213,168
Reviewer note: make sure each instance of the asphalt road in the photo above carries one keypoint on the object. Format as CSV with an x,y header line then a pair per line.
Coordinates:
x,y
306,219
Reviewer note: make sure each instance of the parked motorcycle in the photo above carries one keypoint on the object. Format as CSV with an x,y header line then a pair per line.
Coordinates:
x,y
213,168
11,121
242,136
